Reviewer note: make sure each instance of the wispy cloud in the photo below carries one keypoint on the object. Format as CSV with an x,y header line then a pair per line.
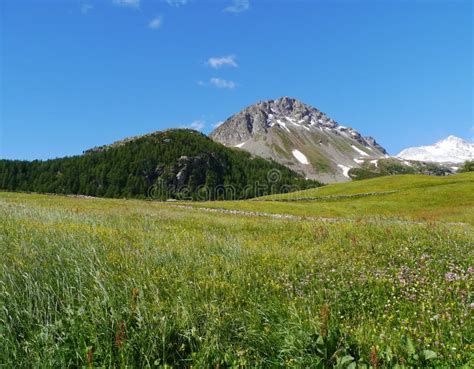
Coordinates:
x,y
197,125
177,2
238,6
218,62
128,3
215,125
222,83
86,8
156,22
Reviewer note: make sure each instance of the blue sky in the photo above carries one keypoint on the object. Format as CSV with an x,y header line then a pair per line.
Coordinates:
x,y
76,74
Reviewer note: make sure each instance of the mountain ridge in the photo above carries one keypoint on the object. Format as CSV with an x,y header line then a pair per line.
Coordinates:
x,y
449,150
300,137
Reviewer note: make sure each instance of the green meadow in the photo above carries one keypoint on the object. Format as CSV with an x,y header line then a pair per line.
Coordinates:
x,y
404,197
387,282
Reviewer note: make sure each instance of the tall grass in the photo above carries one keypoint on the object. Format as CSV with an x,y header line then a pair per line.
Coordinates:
x,y
107,283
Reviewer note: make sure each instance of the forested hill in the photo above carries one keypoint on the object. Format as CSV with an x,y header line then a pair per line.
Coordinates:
x,y
176,163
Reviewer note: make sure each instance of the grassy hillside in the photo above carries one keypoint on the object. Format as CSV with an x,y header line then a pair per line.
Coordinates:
x,y
176,163
127,283
395,166
410,197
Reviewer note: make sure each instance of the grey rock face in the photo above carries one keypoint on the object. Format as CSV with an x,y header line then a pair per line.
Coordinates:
x,y
300,137
187,166
371,141
258,118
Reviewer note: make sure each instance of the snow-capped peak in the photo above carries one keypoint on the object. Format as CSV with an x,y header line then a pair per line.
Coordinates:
x,y
450,150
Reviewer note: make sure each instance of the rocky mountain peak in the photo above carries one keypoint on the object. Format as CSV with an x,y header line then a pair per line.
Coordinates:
x,y
287,106
258,118
299,136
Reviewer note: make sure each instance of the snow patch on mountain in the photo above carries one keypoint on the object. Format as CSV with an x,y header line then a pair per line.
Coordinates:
x,y
345,170
300,156
363,153
283,124
450,150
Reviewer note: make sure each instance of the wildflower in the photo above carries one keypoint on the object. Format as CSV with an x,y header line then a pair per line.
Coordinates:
x,y
353,240
120,335
324,320
450,277
374,361
134,298
90,357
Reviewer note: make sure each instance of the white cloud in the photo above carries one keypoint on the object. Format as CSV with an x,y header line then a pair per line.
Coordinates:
x,y
156,22
129,3
228,60
86,8
215,125
201,83
238,6
177,2
222,83
197,125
